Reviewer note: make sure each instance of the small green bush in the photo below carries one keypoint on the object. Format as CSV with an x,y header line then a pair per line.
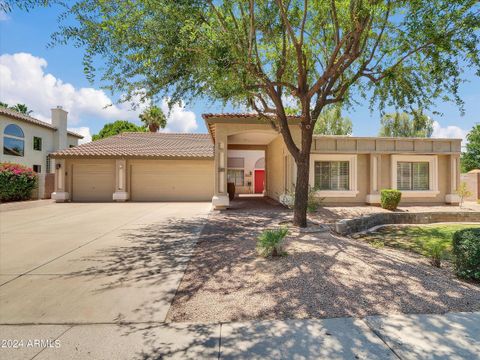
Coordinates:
x,y
466,251
313,201
270,242
16,182
436,252
390,198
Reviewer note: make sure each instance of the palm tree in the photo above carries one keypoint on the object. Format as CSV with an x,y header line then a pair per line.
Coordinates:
x,y
153,118
21,108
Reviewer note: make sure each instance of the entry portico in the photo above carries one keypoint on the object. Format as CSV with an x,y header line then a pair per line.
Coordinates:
x,y
246,132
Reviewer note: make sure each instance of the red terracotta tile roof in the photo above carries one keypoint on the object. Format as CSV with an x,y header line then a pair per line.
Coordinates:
x,y
240,115
147,144
19,116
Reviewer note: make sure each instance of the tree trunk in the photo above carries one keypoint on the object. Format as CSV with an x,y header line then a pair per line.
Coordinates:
x,y
301,191
153,127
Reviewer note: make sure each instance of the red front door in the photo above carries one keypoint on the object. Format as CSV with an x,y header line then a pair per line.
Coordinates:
x,y
259,181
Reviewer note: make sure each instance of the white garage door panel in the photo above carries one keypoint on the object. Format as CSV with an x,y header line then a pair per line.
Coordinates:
x,y
94,181
172,180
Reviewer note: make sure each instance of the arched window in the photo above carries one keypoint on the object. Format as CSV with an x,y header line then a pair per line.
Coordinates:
x,y
260,163
13,140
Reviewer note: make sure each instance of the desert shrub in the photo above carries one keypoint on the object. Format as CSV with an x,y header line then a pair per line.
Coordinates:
x,y
466,251
16,182
270,242
463,192
390,198
313,201
436,252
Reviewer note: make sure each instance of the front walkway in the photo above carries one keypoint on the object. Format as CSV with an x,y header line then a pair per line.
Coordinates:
x,y
448,336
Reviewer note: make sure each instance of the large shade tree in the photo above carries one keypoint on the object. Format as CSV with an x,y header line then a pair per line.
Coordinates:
x,y
331,122
471,156
117,127
402,124
259,52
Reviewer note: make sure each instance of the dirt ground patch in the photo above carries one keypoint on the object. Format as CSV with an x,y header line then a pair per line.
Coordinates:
x,y
323,276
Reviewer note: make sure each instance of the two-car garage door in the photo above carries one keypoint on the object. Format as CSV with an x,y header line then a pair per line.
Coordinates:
x,y
147,180
171,180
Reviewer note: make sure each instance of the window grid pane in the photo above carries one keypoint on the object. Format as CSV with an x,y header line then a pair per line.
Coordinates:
x,y
413,176
420,176
332,175
14,147
404,176
14,130
37,143
236,176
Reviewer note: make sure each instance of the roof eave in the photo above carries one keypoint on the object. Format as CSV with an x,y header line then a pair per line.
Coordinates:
x,y
109,156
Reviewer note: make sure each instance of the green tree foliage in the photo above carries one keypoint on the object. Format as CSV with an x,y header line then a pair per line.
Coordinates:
x,y
405,125
331,122
471,157
21,108
390,53
116,128
153,118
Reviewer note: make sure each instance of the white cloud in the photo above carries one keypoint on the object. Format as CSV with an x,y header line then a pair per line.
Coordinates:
x,y
179,119
450,131
85,132
24,80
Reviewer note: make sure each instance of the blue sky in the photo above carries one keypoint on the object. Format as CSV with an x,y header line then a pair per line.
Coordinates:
x,y
44,77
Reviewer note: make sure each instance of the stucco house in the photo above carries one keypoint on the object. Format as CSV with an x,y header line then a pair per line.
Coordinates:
x,y
28,141
195,167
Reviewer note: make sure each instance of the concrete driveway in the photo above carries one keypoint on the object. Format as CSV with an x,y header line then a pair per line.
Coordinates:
x,y
94,263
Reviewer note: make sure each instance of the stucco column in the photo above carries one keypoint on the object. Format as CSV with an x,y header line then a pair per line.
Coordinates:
x,y
220,198
373,196
120,193
451,197
60,194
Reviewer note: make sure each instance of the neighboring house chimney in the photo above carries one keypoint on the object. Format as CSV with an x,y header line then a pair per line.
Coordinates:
x,y
59,120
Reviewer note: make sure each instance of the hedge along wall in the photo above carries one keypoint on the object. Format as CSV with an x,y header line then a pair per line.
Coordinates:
x,y
351,226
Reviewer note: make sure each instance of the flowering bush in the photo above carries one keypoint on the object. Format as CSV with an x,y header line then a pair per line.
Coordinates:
x,y
16,182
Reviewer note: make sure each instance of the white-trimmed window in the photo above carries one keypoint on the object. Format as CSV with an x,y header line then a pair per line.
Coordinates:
x,y
415,175
236,170
236,176
334,175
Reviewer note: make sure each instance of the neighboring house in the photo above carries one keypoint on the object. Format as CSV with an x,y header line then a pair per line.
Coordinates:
x,y
472,179
195,167
29,141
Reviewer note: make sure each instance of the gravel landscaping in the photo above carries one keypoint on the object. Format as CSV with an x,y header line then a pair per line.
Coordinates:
x,y
322,276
